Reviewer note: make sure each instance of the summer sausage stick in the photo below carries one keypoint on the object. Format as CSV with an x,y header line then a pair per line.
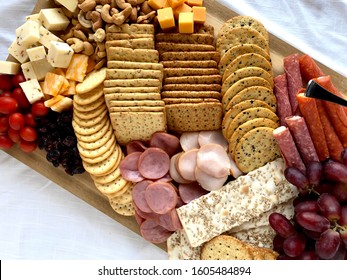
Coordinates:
x,y
302,137
309,111
284,108
308,68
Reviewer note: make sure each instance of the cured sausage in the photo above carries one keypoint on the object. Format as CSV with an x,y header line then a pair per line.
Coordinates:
x,y
161,197
170,221
129,167
284,108
288,148
175,175
209,182
189,140
309,111
191,191
165,141
138,195
212,137
154,163
294,81
153,232
213,160
187,163
308,68
135,146
302,137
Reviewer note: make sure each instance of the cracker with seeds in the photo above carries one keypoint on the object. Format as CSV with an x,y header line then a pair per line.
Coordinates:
x,y
204,79
114,64
188,100
192,87
134,55
190,64
131,89
132,96
173,47
195,38
190,55
133,28
160,109
179,72
133,83
133,74
136,43
122,36
191,94
124,103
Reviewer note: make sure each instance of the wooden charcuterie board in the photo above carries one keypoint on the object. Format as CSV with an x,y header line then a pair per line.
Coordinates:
x,y
83,187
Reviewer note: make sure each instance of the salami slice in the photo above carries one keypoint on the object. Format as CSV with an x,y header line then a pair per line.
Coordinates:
x,y
153,232
165,141
139,199
161,197
284,108
129,167
302,137
170,221
294,81
187,163
191,191
154,163
308,68
135,146
288,148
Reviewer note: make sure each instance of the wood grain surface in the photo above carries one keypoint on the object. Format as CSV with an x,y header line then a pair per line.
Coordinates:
x,y
83,187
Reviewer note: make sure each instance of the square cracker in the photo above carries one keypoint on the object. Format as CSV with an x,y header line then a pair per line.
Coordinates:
x,y
124,36
136,43
121,103
137,109
133,74
174,100
124,89
172,47
189,64
191,94
190,55
114,64
192,87
179,72
130,28
195,38
204,79
133,96
136,55
133,83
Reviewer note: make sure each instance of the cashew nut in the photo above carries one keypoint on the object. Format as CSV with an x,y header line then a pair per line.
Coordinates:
x,y
83,21
96,20
133,15
99,35
146,18
122,4
87,5
120,18
80,35
88,48
145,8
76,44
105,13
132,2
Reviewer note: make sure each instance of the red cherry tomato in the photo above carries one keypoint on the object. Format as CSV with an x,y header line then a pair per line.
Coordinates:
x,y
18,78
16,121
29,120
22,100
4,125
13,135
27,147
5,82
28,134
6,93
8,105
38,109
5,142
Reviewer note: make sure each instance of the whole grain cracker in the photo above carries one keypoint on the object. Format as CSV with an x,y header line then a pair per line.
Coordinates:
x,y
133,74
133,28
126,103
192,87
179,72
170,47
191,94
133,83
188,100
190,55
137,109
195,38
189,64
137,43
114,64
122,36
132,96
134,55
125,89
204,79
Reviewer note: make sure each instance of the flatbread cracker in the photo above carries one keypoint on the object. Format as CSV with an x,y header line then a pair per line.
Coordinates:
x,y
136,43
189,64
179,72
173,47
136,55
205,79
190,55
133,74
114,64
133,83
195,38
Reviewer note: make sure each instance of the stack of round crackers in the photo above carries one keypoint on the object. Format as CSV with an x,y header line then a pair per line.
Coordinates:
x,y
248,102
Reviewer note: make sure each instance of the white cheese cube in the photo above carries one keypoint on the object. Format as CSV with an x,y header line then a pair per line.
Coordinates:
x,y
28,71
18,52
41,68
8,67
54,19
71,5
34,17
28,33
59,54
32,90
36,53
47,36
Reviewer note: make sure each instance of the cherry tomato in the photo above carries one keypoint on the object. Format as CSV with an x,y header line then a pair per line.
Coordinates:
x,y
30,120
18,78
38,109
22,100
5,82
8,105
13,135
27,147
16,121
6,93
28,134
5,142
4,125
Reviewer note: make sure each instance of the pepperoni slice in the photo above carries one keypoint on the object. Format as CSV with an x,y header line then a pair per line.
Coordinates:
x,y
138,195
165,141
153,232
135,146
154,163
187,164
128,167
191,191
161,197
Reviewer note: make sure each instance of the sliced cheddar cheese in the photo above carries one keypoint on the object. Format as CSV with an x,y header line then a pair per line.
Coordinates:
x,y
77,68
53,84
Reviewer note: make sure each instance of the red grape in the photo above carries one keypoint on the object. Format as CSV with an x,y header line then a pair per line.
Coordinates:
x,y
277,243
5,142
30,120
4,125
343,219
8,105
28,134
314,172
329,207
344,156
38,109
308,255
328,244
297,178
281,225
339,190
341,253
308,205
335,171
27,147
5,82
343,236
6,93
14,135
16,121
312,221
294,245
17,79
21,98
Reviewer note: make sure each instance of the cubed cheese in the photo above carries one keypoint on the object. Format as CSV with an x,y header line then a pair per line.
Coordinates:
x,y
166,18
54,19
41,68
71,5
28,33
175,3
59,54
18,52
36,53
184,8
158,4
34,17
186,23
28,71
32,90
194,2
199,14
47,36
8,67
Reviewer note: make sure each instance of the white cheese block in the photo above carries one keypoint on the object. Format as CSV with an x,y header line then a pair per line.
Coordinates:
x,y
54,19
18,52
8,67
34,17
41,68
235,203
28,33
46,37
32,90
71,5
28,71
59,54
36,53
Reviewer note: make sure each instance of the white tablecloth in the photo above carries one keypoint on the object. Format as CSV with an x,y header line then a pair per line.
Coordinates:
x,y
40,220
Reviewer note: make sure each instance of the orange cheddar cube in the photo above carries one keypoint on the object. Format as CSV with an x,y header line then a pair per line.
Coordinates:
x,y
53,84
184,8
199,14
158,4
194,2
77,68
186,23
166,18
175,3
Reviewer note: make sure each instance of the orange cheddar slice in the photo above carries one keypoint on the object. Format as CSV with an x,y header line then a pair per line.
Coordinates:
x,y
186,23
158,4
175,3
77,68
59,71
50,102
194,2
166,18
71,90
64,104
53,84
199,14
184,8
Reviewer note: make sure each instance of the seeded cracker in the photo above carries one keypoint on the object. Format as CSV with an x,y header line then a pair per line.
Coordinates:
x,y
137,43
114,64
136,55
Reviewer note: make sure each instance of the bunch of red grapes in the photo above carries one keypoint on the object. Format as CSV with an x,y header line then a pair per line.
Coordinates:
x,y
318,229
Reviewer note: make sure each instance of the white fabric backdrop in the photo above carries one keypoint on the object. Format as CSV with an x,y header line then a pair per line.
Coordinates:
x,y
40,220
